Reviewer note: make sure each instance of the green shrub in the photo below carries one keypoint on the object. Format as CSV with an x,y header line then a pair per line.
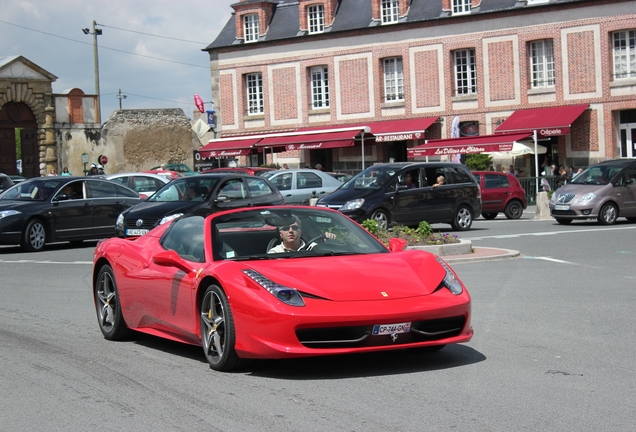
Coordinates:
x,y
371,226
422,235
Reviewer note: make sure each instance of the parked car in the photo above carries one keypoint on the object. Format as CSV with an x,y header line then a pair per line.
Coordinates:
x,y
257,171
170,175
210,281
341,177
299,185
180,168
42,210
201,194
5,182
145,184
17,178
383,193
605,192
500,192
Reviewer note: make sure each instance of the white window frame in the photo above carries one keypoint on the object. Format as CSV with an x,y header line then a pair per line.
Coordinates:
x,y
390,11
319,87
465,72
624,54
542,63
316,19
250,28
254,93
393,79
461,7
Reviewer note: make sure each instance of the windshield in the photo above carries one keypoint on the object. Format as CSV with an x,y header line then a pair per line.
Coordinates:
x,y
32,190
274,234
373,177
186,189
597,175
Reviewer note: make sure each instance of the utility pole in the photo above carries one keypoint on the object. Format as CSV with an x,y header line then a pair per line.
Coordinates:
x,y
96,32
120,97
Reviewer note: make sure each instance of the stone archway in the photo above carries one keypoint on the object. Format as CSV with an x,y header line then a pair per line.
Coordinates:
x,y
26,103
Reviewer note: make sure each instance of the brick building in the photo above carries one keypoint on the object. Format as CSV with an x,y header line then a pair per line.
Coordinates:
x,y
350,82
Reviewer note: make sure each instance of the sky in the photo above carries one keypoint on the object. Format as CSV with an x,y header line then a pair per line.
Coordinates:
x,y
150,49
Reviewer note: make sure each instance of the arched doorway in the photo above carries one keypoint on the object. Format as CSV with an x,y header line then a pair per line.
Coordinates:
x,y
17,120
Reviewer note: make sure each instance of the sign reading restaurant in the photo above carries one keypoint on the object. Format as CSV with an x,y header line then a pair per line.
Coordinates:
x,y
398,137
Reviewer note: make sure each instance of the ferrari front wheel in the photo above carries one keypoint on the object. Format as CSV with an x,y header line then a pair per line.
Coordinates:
x,y
217,330
108,307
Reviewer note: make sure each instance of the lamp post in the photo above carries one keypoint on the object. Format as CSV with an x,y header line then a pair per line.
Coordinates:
x,y
96,32
120,97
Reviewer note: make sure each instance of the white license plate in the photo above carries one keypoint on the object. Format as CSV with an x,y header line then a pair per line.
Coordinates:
x,y
561,207
136,232
387,329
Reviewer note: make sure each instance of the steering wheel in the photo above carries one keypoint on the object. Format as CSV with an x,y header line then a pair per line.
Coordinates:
x,y
315,239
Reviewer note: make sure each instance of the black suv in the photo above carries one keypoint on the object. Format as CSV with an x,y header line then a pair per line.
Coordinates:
x,y
408,193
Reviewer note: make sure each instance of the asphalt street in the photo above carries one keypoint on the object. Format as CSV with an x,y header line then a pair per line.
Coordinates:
x,y
554,349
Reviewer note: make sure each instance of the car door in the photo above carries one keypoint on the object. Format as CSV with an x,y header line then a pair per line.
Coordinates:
x,y
440,200
71,214
308,185
495,192
231,193
108,200
627,190
409,202
284,182
261,192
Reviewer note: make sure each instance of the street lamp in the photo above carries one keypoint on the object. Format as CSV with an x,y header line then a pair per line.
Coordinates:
x,y
96,32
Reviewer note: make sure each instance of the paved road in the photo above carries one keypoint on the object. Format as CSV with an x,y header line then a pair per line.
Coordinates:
x,y
554,349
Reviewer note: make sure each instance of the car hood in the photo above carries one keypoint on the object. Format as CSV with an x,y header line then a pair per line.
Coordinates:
x,y
158,210
341,196
582,189
388,276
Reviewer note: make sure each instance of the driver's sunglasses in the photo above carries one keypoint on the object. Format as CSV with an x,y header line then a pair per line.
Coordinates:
x,y
295,227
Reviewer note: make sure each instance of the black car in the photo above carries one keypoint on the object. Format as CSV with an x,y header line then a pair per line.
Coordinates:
x,y
49,209
408,193
200,194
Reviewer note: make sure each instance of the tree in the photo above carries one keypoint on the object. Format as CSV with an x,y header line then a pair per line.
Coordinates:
x,y
478,162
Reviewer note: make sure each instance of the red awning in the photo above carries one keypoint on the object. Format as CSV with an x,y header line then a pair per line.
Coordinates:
x,y
228,147
467,145
547,122
312,141
390,130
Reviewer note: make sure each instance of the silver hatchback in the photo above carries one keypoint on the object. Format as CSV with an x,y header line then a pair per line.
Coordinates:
x,y
605,191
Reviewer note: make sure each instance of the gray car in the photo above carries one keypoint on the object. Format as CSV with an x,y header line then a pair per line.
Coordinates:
x,y
299,185
605,191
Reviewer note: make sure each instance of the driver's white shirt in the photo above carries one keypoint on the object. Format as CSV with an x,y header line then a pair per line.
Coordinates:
x,y
282,249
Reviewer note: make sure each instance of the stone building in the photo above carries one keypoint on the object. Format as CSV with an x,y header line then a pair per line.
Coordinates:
x,y
286,68
60,130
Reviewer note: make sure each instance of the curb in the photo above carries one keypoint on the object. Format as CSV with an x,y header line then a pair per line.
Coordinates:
x,y
465,252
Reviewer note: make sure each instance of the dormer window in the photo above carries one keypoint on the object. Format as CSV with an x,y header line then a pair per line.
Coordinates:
x,y
390,11
316,18
250,27
461,7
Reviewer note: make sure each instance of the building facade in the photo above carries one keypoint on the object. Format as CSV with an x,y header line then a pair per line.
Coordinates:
x,y
284,66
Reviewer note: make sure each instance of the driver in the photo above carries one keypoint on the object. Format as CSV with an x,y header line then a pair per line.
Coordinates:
x,y
291,241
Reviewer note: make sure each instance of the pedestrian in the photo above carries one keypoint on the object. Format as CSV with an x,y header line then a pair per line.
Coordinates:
x,y
93,170
285,166
513,171
319,167
52,173
66,172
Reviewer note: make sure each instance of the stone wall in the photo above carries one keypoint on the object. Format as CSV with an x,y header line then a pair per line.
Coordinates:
x,y
132,140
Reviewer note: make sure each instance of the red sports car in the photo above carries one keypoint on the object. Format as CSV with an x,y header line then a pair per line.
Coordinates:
x,y
277,282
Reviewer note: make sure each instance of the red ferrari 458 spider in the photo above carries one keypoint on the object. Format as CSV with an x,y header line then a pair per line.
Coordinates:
x,y
277,282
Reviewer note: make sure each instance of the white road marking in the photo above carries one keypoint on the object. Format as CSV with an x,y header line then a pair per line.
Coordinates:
x,y
547,233
550,259
44,262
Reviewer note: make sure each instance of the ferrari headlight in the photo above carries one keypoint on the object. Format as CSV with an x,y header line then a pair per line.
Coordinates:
x,y
353,204
587,197
287,295
450,280
169,218
7,213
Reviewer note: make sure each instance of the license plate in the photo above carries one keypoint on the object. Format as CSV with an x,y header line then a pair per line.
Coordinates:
x,y
561,207
387,329
136,232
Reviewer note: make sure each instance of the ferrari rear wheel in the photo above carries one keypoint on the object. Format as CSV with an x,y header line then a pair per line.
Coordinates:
x,y
109,316
217,330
